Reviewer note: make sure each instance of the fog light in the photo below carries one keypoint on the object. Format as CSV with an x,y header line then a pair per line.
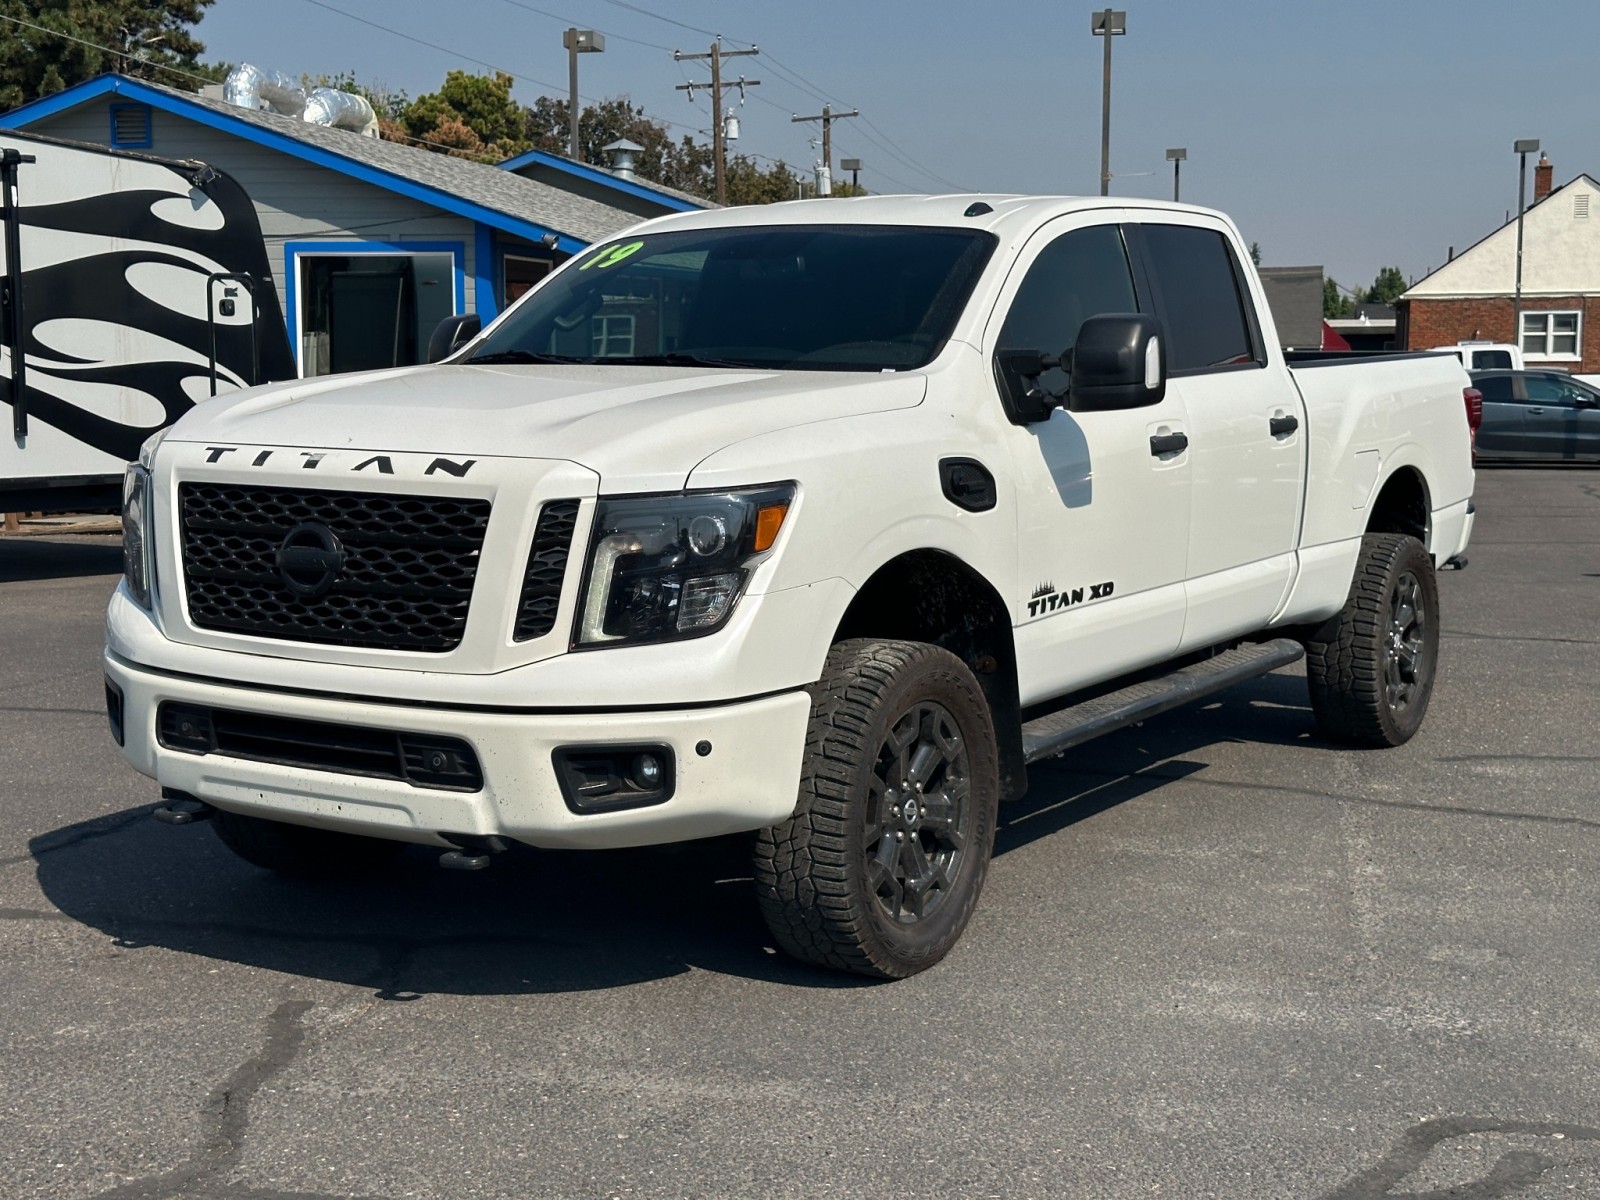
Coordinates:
x,y
648,772
600,779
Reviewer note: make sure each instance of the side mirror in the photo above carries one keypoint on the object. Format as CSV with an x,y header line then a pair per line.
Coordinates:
x,y
453,333
1119,361
1585,400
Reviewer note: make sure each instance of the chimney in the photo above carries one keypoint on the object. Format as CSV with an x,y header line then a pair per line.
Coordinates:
x,y
1542,175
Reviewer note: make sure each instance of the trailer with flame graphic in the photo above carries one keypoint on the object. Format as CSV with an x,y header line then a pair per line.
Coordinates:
x,y
131,289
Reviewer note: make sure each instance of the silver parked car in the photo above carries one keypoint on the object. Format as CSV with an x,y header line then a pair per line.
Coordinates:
x,y
1537,416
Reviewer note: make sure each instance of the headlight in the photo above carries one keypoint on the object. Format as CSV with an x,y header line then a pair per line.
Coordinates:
x,y
675,565
137,553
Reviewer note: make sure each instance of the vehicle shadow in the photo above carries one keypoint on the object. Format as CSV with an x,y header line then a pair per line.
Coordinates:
x,y
24,559
553,921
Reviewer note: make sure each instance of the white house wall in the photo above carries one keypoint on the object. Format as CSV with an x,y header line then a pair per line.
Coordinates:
x,y
1560,252
295,200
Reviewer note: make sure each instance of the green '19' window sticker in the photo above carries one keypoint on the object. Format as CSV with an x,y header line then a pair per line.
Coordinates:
x,y
613,256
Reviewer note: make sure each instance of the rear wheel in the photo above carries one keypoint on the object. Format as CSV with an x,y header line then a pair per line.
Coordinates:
x,y
881,865
1371,668
300,850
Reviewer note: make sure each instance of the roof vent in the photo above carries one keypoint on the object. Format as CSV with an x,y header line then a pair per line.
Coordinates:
x,y
624,156
1580,206
130,126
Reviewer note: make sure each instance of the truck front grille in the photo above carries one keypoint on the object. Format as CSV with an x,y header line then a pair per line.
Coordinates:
x,y
377,571
547,564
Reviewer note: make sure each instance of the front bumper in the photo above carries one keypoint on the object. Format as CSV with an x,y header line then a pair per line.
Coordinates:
x,y
748,780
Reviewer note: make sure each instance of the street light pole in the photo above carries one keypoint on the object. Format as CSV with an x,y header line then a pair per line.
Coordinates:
x,y
1107,24
577,41
1522,148
1176,155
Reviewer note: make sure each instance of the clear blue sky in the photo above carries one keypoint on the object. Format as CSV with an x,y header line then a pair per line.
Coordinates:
x,y
1351,133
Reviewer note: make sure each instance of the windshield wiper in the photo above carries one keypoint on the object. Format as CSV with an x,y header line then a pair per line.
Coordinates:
x,y
524,356
676,359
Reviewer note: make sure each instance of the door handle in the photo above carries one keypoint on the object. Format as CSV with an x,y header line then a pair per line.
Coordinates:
x,y
1168,443
1538,412
1283,425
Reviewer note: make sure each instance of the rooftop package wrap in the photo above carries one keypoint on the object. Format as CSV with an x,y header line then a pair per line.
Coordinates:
x,y
341,110
249,86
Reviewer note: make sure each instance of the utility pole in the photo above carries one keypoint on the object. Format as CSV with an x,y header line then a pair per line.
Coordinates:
x,y
1107,24
1521,148
827,116
716,55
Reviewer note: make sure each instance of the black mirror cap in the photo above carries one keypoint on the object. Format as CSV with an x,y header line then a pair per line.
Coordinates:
x,y
1119,361
451,334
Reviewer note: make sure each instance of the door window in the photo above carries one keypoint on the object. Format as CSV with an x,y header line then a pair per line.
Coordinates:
x,y
1204,309
1545,389
1081,274
1495,388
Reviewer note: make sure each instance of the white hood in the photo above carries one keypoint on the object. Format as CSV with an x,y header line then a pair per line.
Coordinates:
x,y
645,426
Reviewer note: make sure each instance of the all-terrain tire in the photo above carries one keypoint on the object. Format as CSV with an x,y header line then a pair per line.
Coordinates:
x,y
881,865
300,850
1371,668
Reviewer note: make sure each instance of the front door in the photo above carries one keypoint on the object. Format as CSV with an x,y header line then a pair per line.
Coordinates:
x,y
1102,522
1560,420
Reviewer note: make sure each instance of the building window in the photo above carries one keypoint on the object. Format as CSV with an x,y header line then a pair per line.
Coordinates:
x,y
519,274
1551,334
130,126
611,337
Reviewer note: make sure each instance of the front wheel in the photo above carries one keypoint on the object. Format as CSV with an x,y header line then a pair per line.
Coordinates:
x,y
1371,668
881,865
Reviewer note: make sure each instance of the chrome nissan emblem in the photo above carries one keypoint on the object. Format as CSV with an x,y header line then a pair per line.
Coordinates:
x,y
310,559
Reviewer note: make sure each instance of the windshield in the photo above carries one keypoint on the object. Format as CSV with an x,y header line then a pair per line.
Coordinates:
x,y
800,297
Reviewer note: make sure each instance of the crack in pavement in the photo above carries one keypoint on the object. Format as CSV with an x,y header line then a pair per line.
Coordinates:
x,y
88,832
1513,637
225,1120
31,914
1462,810
1511,1172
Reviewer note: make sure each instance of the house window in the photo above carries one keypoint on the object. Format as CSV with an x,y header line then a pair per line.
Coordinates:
x,y
130,126
611,337
520,274
1551,334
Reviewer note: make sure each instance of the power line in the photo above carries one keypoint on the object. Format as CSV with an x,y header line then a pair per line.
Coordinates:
x,y
621,37
435,46
108,50
645,12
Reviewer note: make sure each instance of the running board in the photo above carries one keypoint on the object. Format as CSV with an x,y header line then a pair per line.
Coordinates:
x,y
1050,735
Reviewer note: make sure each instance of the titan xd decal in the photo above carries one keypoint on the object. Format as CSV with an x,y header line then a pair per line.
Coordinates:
x,y
116,251
1046,599
310,460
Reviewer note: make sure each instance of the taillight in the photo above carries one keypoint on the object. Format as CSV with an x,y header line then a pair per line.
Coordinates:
x,y
1474,399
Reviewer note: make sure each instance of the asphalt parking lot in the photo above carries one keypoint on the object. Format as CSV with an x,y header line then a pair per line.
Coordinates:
x,y
1216,957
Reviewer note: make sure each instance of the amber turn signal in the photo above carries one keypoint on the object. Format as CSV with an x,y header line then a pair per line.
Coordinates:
x,y
768,521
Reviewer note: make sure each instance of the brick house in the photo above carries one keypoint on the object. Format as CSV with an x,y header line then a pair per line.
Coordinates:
x,y
1472,296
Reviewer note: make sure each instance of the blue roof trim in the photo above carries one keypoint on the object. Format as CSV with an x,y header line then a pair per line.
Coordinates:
x,y
596,175
117,85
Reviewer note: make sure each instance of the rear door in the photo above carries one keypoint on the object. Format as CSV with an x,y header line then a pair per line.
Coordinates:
x,y
1246,429
1501,434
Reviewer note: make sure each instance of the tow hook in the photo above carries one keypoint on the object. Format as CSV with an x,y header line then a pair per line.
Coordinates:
x,y
472,853
1457,562
180,808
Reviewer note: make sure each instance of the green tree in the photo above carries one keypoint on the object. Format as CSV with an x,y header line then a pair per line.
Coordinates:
x,y
472,114
680,164
747,183
1255,253
1334,302
1387,286
148,39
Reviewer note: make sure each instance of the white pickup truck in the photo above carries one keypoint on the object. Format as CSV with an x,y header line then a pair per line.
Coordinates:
x,y
819,521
